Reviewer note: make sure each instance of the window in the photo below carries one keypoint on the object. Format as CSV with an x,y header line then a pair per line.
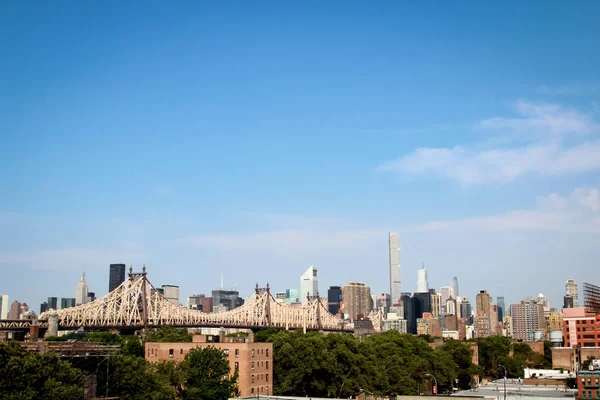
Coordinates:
x,y
251,378
267,377
180,351
267,391
171,353
237,353
267,352
251,390
252,365
226,352
252,353
237,366
267,365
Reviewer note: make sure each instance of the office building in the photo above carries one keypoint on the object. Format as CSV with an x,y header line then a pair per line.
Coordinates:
x,y
252,361
394,256
280,297
3,306
229,299
116,276
409,313
67,302
422,283
91,297
43,307
291,296
309,284
81,293
591,298
53,303
454,286
357,299
527,318
501,307
15,310
451,306
200,302
171,293
571,290
581,328
334,299
421,304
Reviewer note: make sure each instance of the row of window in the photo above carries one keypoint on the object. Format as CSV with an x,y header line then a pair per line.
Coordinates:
x,y
259,364
590,380
259,377
260,389
588,394
261,351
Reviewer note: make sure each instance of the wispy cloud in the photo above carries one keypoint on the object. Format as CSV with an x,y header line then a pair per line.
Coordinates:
x,y
542,118
573,88
577,212
542,155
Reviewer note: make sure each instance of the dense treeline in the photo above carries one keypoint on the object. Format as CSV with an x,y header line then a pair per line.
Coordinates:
x,y
340,365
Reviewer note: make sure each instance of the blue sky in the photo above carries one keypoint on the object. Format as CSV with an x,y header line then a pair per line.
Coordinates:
x,y
254,139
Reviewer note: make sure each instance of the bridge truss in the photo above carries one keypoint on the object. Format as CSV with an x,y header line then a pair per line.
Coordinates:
x,y
137,304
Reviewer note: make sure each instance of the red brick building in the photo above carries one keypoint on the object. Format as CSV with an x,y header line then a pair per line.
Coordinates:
x,y
253,361
581,328
588,385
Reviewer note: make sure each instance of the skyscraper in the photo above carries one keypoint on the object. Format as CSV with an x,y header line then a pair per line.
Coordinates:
x,y
81,293
334,299
454,286
116,277
527,318
445,292
309,283
483,326
422,283
571,289
228,299
15,310
394,250
501,308
357,298
3,306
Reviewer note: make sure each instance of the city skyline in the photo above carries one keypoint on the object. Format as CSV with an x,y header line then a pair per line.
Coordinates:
x,y
257,140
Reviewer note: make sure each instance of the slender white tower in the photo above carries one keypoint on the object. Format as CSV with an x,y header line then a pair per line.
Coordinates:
x,y
395,284
81,294
422,283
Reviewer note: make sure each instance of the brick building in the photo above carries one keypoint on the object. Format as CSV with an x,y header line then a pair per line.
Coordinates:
x,y
588,385
581,328
253,361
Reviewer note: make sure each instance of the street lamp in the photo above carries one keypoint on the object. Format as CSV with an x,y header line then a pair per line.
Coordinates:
x,y
435,383
500,365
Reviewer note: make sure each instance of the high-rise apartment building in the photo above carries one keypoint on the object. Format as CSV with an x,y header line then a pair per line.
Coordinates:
x,y
435,304
571,289
116,276
334,299
309,284
15,310
591,298
422,283
483,327
501,307
3,306
394,255
383,301
357,298
527,318
81,293
445,292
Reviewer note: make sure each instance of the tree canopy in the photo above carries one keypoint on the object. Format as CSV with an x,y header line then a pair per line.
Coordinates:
x,y
167,334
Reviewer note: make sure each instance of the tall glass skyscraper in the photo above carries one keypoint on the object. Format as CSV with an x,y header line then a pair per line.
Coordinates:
x,y
422,283
454,286
394,249
116,277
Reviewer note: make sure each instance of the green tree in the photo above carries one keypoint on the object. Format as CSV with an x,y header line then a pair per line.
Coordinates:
x,y
132,346
25,375
207,375
462,355
491,350
264,335
137,379
167,334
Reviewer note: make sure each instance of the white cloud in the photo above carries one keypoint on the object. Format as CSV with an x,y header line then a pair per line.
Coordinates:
x,y
577,212
548,157
547,119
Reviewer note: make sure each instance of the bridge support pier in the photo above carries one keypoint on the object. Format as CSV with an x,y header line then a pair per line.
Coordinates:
x,y
52,324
